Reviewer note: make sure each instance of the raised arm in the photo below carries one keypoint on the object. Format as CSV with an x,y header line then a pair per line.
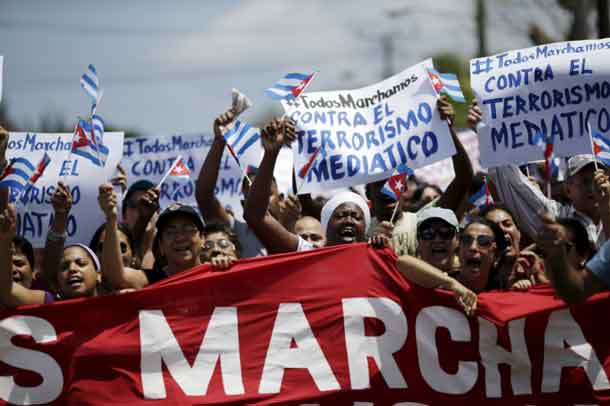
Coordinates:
x,y
269,231
457,191
425,275
56,236
209,205
113,270
143,231
12,294
572,285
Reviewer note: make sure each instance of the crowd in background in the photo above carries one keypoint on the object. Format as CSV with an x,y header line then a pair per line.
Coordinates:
x,y
441,240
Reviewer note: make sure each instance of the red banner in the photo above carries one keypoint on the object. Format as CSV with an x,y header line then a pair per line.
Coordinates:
x,y
338,326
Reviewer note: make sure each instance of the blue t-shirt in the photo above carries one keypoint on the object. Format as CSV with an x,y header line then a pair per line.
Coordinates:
x,y
599,265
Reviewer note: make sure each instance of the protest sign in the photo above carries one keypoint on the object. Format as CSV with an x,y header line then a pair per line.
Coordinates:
x,y
337,326
35,213
151,157
352,137
555,90
442,173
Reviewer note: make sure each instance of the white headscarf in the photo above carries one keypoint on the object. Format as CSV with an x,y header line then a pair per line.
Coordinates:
x,y
94,258
338,200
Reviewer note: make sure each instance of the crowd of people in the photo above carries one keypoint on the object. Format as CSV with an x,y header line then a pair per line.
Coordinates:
x,y
441,240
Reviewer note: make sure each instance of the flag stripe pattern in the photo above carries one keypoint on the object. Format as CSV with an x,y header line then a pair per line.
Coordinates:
x,y
321,151
84,146
290,86
601,147
240,137
448,84
17,173
90,84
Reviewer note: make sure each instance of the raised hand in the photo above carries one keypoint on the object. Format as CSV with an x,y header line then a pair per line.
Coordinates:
x,y
446,109
382,235
474,115
120,179
8,223
279,132
221,122
149,202
601,186
552,238
108,201
290,210
61,199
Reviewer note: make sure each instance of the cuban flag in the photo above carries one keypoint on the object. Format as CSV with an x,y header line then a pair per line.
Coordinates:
x,y
243,142
178,173
601,147
482,197
38,171
290,86
546,144
17,174
447,83
91,85
321,152
397,183
84,145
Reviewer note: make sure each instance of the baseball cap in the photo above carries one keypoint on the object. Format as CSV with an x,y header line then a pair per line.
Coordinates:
x,y
448,216
176,209
578,162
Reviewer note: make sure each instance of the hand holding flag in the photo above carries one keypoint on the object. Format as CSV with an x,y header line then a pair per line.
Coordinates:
x,y
396,185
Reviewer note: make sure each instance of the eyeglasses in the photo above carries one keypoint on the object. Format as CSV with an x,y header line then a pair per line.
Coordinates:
x,y
222,243
429,234
482,240
173,232
124,247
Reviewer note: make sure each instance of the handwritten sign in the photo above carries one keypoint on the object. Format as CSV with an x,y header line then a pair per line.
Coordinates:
x,y
35,215
360,136
151,157
555,90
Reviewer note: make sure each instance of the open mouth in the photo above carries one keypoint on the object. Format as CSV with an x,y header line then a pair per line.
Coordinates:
x,y
17,277
182,249
439,252
75,281
473,263
347,233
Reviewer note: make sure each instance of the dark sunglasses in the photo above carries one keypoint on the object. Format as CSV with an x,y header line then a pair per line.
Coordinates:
x,y
482,240
100,247
445,234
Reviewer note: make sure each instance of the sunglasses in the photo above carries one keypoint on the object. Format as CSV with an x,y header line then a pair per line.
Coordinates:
x,y
429,234
123,245
222,243
482,240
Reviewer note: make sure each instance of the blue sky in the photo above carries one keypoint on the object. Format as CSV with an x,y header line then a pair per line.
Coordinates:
x,y
169,66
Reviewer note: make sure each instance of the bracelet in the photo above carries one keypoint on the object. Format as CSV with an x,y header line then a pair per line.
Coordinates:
x,y
53,235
